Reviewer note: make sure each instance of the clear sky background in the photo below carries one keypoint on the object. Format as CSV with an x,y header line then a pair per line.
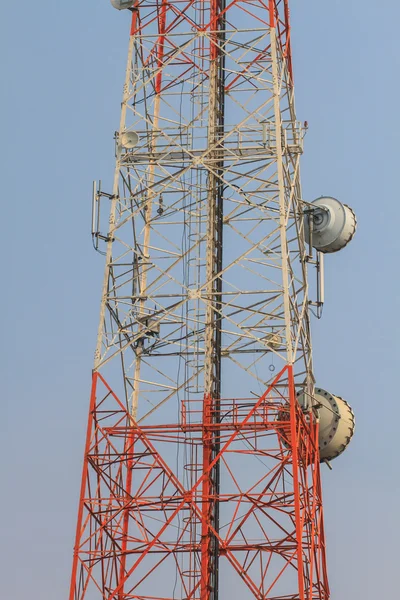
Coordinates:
x,y
62,71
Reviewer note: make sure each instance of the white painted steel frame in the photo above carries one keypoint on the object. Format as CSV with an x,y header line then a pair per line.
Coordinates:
x,y
155,300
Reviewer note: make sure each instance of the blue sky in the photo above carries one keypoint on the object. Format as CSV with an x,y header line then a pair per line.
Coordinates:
x,y
63,66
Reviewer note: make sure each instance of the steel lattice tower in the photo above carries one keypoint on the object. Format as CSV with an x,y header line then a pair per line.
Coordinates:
x,y
201,474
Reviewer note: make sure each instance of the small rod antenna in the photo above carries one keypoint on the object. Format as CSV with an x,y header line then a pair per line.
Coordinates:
x,y
310,234
321,278
98,209
320,283
94,203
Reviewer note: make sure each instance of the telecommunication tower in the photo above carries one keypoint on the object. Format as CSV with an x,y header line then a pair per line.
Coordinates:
x,y
201,477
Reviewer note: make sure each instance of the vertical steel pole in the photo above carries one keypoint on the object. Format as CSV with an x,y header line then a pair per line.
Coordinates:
x,y
283,210
214,266
149,207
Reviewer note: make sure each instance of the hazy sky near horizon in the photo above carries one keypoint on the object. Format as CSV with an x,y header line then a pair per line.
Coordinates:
x,y
63,67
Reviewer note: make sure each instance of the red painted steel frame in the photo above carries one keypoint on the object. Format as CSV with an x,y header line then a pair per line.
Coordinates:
x,y
276,15
116,536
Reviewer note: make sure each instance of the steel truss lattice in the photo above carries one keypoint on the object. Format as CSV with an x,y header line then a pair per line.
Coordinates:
x,y
143,530
201,476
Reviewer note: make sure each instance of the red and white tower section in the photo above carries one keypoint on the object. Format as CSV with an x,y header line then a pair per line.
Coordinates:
x,y
201,477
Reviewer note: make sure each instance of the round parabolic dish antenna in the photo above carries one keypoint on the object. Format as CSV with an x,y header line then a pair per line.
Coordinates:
x,y
274,340
334,224
129,139
121,4
336,425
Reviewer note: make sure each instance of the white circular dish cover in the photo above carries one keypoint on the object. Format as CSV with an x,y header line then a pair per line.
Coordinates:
x,y
122,4
336,424
334,224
